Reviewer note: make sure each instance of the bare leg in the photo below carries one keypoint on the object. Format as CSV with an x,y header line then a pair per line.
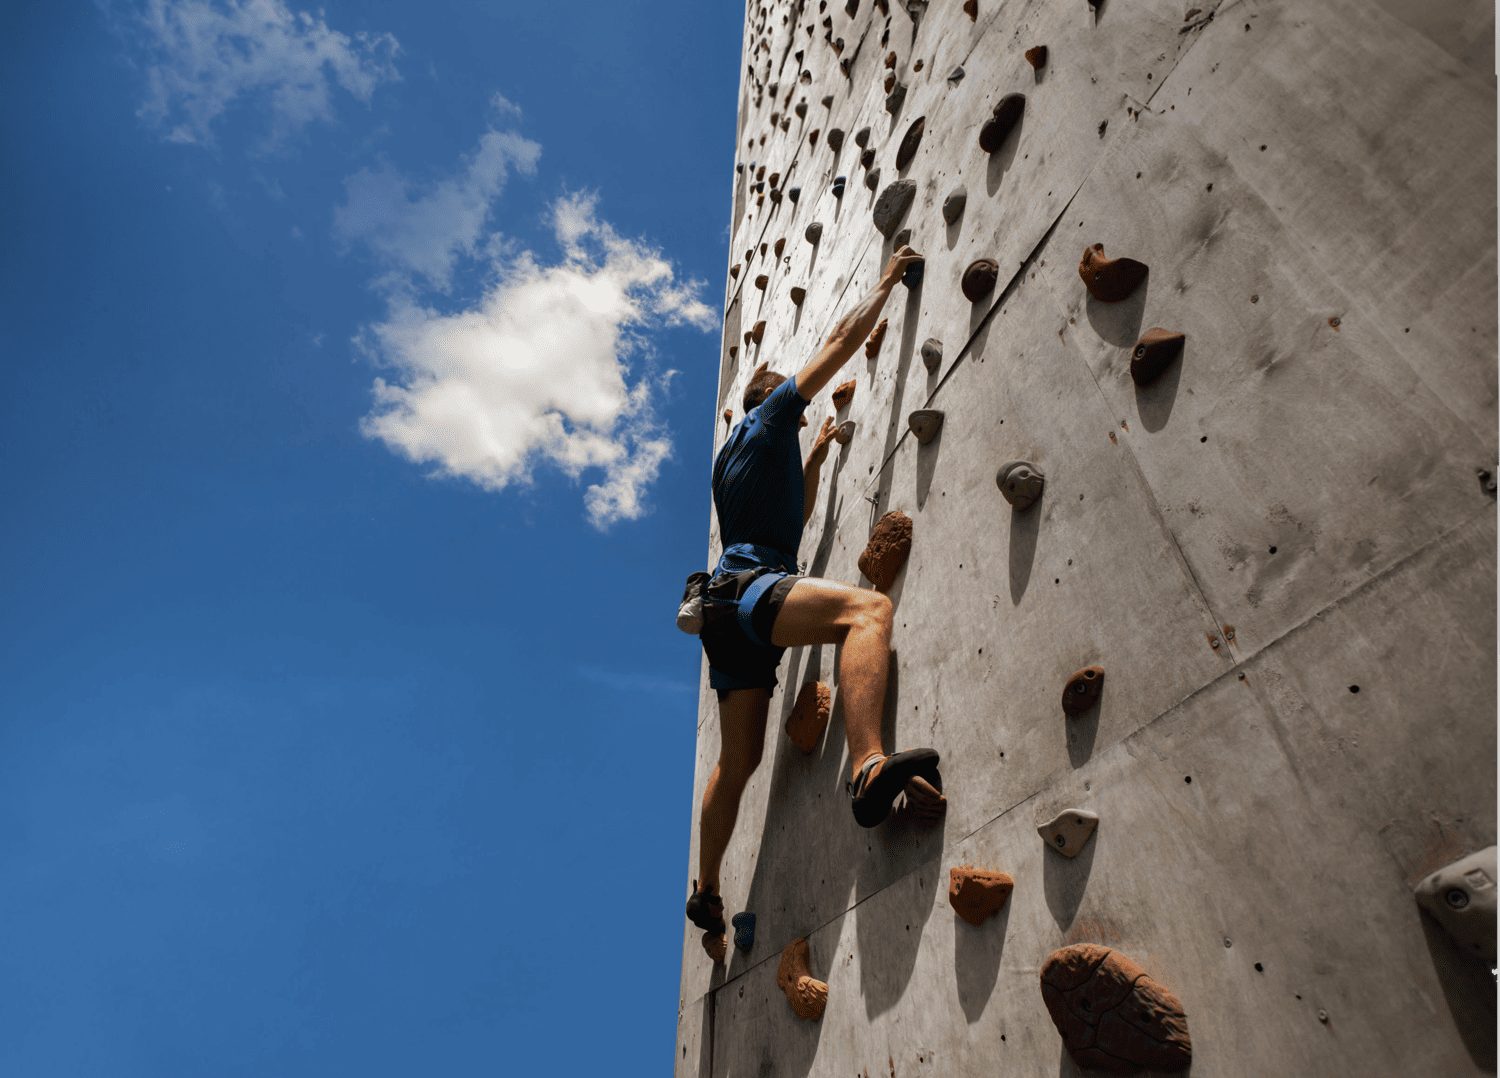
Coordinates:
x,y
828,612
742,735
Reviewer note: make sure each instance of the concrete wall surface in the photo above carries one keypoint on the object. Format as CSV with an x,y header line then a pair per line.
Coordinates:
x,y
1282,551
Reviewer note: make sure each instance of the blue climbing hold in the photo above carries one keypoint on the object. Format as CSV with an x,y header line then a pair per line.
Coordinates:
x,y
838,187
794,193
744,931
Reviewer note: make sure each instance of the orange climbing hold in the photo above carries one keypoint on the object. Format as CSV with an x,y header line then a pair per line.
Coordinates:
x,y
807,995
844,394
1112,1016
872,346
977,894
886,552
809,716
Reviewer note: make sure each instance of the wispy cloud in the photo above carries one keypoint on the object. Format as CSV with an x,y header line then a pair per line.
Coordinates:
x,y
539,371
204,55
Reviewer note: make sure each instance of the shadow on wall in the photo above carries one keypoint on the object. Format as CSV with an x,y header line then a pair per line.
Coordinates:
x,y
1119,323
927,458
1001,160
1469,987
1024,527
1153,402
1065,881
976,960
1081,731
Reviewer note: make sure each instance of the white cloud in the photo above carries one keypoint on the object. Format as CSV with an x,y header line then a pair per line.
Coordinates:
x,y
422,237
205,54
539,370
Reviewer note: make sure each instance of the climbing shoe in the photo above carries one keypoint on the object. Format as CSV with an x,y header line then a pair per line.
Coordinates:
x,y
706,910
873,797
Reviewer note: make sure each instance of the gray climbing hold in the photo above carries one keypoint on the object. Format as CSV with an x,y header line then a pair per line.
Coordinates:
x,y
744,931
861,137
896,99
835,140
872,179
903,239
957,76
838,187
1069,830
1021,483
828,101
867,158
913,275
909,142
953,205
932,354
1461,898
800,108
979,279
892,204
844,432
814,232
925,424
1007,114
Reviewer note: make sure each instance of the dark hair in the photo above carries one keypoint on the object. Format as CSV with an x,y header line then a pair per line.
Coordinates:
x,y
761,387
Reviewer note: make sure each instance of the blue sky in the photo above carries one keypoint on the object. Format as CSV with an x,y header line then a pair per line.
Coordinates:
x,y
359,395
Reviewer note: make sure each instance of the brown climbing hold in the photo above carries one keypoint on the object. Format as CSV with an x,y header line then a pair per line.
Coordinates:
x,y
976,894
1069,830
897,97
814,232
761,281
844,432
1003,121
809,716
892,205
932,354
835,140
979,279
862,137
971,9
1153,353
925,423
812,139
953,205
890,82
748,336
760,173
716,946
798,295
773,178
844,393
778,245
872,346
1082,690
1021,482
1110,280
1112,1016
910,141
734,271
890,59
763,250
807,995
887,550
728,416
867,159
917,66
758,331
1037,57
734,350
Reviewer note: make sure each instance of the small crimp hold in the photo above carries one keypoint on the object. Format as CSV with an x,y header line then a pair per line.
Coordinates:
x,y
828,101
890,60
1021,483
932,354
798,295
971,9
872,345
956,75
835,140
979,279
890,81
744,931
1153,353
809,716
925,424
1069,830
844,432
807,995
1006,115
728,416
1110,280
892,204
872,179
844,393
910,141
812,138
953,205
1082,690
977,894
1037,56
814,232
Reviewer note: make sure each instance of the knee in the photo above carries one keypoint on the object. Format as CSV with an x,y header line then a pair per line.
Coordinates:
x,y
737,767
874,611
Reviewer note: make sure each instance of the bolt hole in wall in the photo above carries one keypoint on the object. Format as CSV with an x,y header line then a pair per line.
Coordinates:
x,y
1259,968
1354,688
1187,778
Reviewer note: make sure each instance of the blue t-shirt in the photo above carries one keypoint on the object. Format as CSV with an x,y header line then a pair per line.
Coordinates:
x,y
758,476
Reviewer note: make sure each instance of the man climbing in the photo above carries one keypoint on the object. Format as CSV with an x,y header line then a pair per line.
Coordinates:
x,y
756,607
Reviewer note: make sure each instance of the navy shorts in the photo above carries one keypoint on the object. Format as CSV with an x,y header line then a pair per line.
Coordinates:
x,y
734,660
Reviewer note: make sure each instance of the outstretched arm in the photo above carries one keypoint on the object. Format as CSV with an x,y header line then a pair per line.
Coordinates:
x,y
813,466
853,328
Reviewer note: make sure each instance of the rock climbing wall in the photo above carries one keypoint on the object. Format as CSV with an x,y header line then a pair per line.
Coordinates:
x,y
1280,550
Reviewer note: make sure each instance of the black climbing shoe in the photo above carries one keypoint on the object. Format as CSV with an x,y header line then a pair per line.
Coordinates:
x,y
706,910
873,797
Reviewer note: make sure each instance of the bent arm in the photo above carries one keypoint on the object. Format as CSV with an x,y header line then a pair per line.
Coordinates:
x,y
852,329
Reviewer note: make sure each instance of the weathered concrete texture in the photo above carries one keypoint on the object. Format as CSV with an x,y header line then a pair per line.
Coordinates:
x,y
1277,546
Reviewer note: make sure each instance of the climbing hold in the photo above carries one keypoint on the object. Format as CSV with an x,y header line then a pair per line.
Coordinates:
x,y
1069,830
758,331
744,931
872,179
862,137
844,393
734,350
1110,281
1153,353
775,196
925,423
956,76
800,109
918,65
979,279
773,178
760,281
903,239
728,416
814,232
887,550
740,168
932,354
1461,897
716,946
1112,1016
971,9
890,59
798,295
734,271
758,187
892,204
838,187
778,246
953,205
872,346
809,716
867,159
828,101
913,275
894,101
812,138
1006,115
807,995
761,173
890,81
1037,57
977,894
835,140
1082,690
1020,482
844,432
851,7
910,141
